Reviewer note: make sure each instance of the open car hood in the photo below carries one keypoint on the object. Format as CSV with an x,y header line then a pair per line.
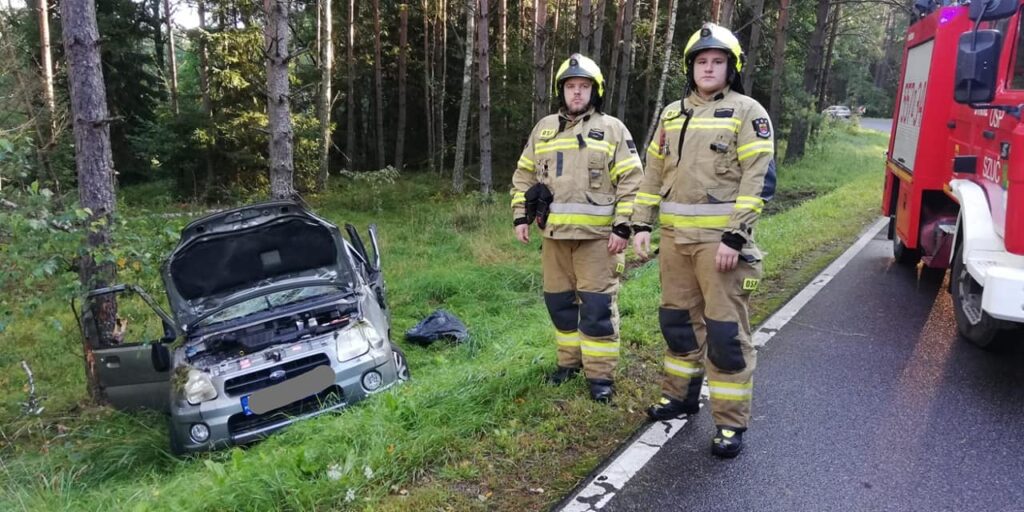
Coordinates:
x,y
248,250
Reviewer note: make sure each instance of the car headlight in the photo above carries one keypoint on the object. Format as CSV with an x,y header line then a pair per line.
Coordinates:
x,y
371,334
352,342
199,388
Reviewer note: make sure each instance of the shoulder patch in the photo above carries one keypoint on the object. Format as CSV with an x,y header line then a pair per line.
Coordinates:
x,y
671,114
631,145
762,128
596,134
547,133
723,112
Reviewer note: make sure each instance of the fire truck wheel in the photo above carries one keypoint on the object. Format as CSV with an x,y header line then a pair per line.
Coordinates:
x,y
903,254
975,325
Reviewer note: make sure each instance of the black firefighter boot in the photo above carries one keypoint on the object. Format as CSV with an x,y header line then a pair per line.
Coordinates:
x,y
562,374
601,390
668,408
728,442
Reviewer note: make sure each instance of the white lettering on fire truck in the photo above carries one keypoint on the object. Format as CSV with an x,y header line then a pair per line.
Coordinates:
x,y
995,117
990,170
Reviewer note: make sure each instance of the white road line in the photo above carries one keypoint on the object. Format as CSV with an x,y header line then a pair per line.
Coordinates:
x,y
603,487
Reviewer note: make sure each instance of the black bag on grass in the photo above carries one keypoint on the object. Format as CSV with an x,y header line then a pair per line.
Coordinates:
x,y
439,325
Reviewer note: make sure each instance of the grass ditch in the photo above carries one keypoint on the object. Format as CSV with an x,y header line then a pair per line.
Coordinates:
x,y
477,429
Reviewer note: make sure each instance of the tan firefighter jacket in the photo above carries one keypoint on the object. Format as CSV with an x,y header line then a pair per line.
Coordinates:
x,y
592,168
720,180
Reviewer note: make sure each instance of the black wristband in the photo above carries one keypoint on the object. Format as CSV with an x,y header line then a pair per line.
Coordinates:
x,y
733,241
621,230
520,220
641,229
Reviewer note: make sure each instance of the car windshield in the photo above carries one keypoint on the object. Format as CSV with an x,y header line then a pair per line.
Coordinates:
x,y
267,302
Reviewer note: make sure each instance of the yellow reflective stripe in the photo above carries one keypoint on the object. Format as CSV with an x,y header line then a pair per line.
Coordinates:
x,y
694,221
567,338
749,203
624,208
526,164
518,197
748,150
655,154
740,206
565,144
681,368
624,166
731,391
648,199
579,219
599,348
602,145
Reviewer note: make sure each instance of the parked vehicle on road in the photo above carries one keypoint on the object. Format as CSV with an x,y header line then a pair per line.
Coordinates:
x,y
275,317
954,181
837,112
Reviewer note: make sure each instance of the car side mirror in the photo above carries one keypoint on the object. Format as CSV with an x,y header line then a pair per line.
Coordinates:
x,y
977,61
990,10
161,357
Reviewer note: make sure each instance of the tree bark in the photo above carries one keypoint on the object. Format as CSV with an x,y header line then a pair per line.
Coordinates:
x,y
797,142
600,8
503,36
325,102
467,88
46,62
172,54
158,36
753,49
649,69
440,102
627,59
586,27
95,167
350,101
403,51
665,63
428,86
204,89
779,67
378,83
716,10
540,79
484,69
276,38
616,50
725,15
827,68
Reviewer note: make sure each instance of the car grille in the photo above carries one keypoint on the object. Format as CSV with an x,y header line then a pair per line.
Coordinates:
x,y
239,424
260,379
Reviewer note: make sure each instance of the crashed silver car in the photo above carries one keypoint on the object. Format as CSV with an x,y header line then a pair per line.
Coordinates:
x,y
276,317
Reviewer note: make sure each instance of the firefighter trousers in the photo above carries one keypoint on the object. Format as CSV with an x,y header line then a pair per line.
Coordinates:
x,y
705,321
581,284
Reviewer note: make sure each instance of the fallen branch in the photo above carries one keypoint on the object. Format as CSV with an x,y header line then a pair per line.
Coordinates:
x,y
32,405
7,204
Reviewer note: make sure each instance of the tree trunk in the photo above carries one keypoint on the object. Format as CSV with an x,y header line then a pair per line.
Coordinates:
x,y
95,167
540,79
779,67
350,101
378,83
665,63
441,125
172,54
616,50
276,37
754,48
467,88
797,141
428,86
484,69
649,69
600,8
725,16
403,50
627,59
586,27
553,39
46,62
503,36
716,10
158,36
204,89
325,100
827,68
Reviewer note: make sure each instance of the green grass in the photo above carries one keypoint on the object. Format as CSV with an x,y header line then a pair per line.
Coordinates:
x,y
476,429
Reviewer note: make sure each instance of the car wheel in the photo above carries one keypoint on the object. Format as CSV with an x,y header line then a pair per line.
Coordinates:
x,y
401,364
974,325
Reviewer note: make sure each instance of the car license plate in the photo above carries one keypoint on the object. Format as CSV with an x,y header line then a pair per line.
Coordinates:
x,y
291,390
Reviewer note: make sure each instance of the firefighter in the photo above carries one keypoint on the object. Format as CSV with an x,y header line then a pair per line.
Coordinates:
x,y
710,169
576,179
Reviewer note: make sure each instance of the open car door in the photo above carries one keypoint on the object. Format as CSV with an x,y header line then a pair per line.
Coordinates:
x,y
369,264
133,364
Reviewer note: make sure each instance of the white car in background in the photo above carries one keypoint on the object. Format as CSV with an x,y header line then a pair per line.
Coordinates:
x,y
837,111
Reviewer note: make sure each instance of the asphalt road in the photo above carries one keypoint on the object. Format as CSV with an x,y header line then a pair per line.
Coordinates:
x,y
865,401
874,123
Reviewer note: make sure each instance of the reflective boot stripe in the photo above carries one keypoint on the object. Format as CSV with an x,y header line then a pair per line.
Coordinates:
x,y
731,391
681,368
567,338
599,348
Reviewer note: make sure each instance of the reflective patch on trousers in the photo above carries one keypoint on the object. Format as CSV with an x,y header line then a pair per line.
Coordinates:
x,y
724,348
677,330
596,314
565,314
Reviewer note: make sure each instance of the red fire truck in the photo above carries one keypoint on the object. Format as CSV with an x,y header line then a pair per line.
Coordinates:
x,y
954,176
